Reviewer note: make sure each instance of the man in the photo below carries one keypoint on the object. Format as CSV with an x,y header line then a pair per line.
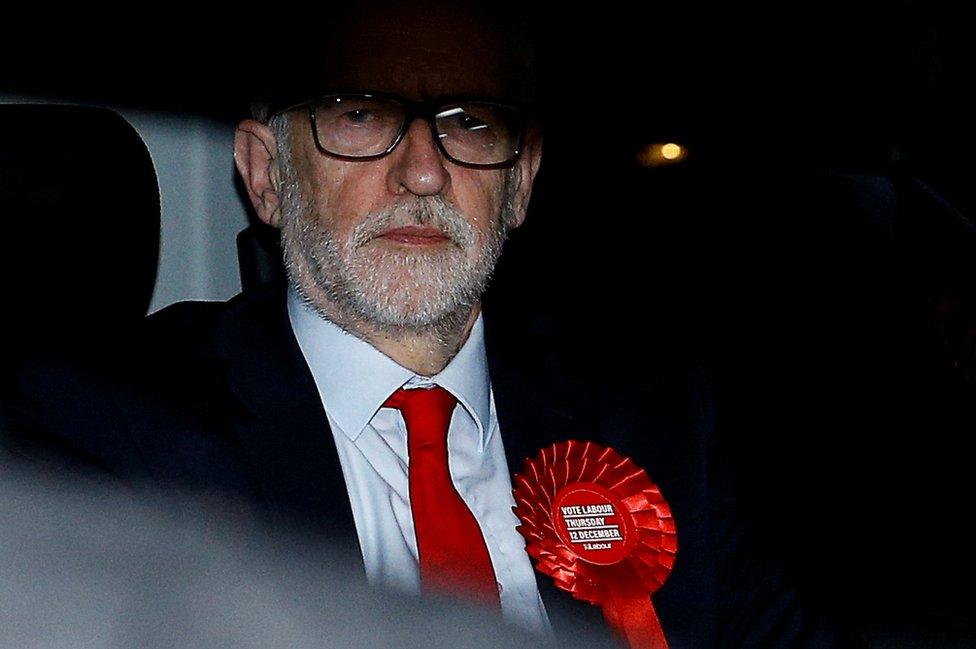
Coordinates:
x,y
391,223
394,198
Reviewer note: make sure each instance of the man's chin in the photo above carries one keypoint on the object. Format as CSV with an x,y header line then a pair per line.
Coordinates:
x,y
418,318
399,287
411,298
407,270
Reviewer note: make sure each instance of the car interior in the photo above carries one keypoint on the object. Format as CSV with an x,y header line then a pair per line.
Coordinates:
x,y
815,240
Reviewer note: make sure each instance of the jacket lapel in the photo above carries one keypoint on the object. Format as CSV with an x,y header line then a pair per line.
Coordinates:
x,y
537,399
282,425
540,401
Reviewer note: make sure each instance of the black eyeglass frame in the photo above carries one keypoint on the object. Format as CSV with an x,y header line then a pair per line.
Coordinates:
x,y
426,110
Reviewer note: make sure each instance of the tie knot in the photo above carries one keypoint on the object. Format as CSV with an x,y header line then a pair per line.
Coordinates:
x,y
432,406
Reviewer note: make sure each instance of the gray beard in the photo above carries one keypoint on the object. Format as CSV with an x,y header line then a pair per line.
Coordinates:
x,y
395,291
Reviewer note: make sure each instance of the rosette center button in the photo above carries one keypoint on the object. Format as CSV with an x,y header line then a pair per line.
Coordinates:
x,y
593,523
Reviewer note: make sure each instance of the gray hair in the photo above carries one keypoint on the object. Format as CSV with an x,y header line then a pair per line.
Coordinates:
x,y
280,126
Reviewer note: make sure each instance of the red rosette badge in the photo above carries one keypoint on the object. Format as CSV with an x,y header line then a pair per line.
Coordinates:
x,y
595,523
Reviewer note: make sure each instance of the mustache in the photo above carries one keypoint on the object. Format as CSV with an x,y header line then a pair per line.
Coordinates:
x,y
432,211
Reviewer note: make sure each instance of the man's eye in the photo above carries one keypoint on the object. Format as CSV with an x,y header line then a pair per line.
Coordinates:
x,y
471,123
358,116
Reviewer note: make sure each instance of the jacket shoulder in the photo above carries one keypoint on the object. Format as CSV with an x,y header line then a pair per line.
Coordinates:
x,y
155,404
207,330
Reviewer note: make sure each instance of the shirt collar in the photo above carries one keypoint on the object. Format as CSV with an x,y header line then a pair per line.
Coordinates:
x,y
354,378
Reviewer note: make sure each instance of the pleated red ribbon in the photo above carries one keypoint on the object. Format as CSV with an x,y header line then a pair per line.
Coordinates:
x,y
595,523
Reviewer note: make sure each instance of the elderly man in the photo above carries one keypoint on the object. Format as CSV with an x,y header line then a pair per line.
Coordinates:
x,y
394,198
371,401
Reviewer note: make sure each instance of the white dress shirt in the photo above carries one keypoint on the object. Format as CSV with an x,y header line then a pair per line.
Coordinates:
x,y
354,379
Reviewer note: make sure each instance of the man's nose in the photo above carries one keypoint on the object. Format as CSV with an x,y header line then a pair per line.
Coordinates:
x,y
418,166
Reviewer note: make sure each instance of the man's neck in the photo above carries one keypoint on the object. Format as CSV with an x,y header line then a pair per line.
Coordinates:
x,y
424,351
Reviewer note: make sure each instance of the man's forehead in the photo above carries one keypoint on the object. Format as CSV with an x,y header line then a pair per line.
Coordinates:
x,y
441,51
422,50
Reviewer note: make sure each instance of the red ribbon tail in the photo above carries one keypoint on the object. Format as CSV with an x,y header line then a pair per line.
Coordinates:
x,y
631,615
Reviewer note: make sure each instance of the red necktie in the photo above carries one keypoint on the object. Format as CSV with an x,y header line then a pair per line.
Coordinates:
x,y
453,554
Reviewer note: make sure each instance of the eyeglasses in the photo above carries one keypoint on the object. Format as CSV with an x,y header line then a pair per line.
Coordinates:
x,y
366,126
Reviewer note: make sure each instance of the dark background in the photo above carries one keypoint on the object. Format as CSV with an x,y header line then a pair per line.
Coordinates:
x,y
816,247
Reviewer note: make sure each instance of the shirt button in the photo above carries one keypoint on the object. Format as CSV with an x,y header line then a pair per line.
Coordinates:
x,y
501,588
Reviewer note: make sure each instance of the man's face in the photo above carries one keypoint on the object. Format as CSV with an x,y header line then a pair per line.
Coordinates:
x,y
400,242
410,239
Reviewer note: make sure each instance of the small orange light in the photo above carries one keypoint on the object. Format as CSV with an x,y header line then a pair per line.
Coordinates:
x,y
671,151
660,154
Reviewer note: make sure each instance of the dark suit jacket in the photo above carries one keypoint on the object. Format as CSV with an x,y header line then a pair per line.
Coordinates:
x,y
218,396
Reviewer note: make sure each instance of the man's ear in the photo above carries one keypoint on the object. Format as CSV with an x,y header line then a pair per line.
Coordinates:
x,y
255,154
528,164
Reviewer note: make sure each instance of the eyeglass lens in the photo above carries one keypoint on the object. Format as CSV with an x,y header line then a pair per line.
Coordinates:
x,y
469,132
